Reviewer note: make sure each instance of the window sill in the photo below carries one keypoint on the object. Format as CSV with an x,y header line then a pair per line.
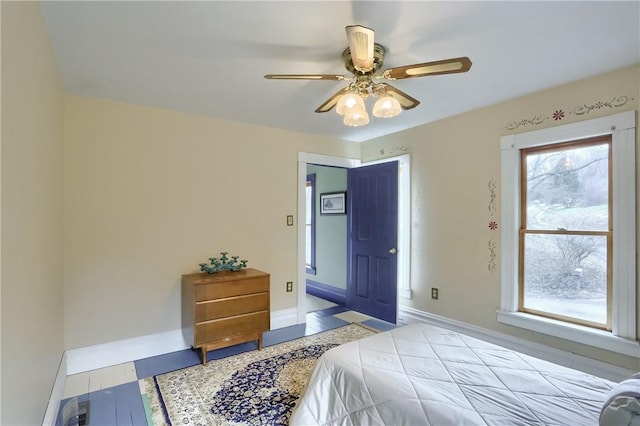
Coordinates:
x,y
576,333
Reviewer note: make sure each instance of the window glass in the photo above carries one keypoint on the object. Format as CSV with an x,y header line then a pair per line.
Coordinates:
x,y
568,188
310,225
565,243
308,222
566,275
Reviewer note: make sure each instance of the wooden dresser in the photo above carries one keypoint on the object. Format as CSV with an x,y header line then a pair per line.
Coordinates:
x,y
225,308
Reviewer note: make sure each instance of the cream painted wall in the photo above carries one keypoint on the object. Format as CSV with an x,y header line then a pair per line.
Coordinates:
x,y
150,193
453,161
31,220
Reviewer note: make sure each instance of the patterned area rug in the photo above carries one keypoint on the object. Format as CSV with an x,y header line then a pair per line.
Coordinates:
x,y
253,388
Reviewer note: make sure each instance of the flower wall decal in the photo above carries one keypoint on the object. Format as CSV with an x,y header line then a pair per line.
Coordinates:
x,y
393,150
493,225
560,114
492,254
492,197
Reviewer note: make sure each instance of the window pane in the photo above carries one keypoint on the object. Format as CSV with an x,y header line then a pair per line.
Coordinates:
x,y
308,246
566,275
309,213
568,188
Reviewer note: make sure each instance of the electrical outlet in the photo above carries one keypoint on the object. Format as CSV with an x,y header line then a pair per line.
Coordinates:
x,y
290,220
434,293
289,286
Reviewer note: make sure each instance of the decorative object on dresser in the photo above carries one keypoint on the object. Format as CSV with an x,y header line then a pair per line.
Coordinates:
x,y
225,309
223,264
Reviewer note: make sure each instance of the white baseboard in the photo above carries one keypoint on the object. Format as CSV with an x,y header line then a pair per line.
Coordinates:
x,y
121,351
127,350
284,318
51,415
558,356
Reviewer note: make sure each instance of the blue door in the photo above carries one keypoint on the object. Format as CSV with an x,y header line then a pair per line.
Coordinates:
x,y
372,205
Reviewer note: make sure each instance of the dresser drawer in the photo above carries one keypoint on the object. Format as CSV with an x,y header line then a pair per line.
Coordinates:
x,y
231,288
228,327
231,306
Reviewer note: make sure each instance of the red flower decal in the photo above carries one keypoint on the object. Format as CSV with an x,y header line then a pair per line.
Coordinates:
x,y
558,115
493,225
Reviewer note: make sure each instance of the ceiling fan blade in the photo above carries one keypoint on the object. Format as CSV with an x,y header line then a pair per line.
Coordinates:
x,y
332,101
361,46
406,101
446,66
305,77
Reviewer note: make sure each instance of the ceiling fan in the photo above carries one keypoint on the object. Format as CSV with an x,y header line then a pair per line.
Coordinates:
x,y
363,58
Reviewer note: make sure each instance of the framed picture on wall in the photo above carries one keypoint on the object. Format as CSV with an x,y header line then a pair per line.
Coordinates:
x,y
333,203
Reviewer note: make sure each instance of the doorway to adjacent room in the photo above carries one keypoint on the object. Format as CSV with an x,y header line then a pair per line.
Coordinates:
x,y
399,251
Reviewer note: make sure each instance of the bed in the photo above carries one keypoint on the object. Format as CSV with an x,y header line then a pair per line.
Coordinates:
x,y
421,374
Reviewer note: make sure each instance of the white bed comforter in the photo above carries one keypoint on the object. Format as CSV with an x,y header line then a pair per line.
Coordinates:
x,y
425,375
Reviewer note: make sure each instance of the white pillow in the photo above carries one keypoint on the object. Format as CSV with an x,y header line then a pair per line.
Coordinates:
x,y
622,404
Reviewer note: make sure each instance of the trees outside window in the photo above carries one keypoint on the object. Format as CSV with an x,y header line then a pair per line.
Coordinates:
x,y
566,231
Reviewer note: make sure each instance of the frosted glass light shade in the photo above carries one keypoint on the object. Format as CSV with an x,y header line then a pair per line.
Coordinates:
x,y
386,107
356,117
349,101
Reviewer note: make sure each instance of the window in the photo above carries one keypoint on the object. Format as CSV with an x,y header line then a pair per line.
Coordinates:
x,y
310,222
565,232
566,192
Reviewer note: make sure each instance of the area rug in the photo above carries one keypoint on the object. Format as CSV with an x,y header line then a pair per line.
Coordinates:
x,y
253,388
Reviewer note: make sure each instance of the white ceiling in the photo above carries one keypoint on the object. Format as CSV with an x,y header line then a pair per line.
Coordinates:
x,y
209,57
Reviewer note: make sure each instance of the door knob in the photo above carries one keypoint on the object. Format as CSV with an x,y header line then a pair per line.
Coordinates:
x,y
393,250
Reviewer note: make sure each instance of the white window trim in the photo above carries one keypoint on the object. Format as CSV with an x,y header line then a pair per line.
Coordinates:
x,y
622,128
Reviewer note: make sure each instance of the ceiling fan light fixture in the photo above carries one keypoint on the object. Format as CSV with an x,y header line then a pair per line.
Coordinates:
x,y
363,58
356,117
386,107
348,102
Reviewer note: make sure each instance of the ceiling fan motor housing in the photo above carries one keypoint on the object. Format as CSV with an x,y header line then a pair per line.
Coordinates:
x,y
378,60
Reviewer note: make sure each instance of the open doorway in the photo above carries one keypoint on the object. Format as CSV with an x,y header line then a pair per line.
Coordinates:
x,y
403,246
326,233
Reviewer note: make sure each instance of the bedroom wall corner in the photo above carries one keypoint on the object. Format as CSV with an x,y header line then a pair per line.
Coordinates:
x,y
31,220
150,193
57,393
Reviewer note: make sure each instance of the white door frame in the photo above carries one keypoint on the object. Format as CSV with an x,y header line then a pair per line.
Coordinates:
x,y
404,219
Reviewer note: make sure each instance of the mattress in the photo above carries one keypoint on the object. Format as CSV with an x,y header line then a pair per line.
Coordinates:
x,y
421,374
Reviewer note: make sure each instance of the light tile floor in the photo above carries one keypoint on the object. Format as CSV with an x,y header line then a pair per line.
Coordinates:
x,y
353,316
317,304
113,392
91,381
